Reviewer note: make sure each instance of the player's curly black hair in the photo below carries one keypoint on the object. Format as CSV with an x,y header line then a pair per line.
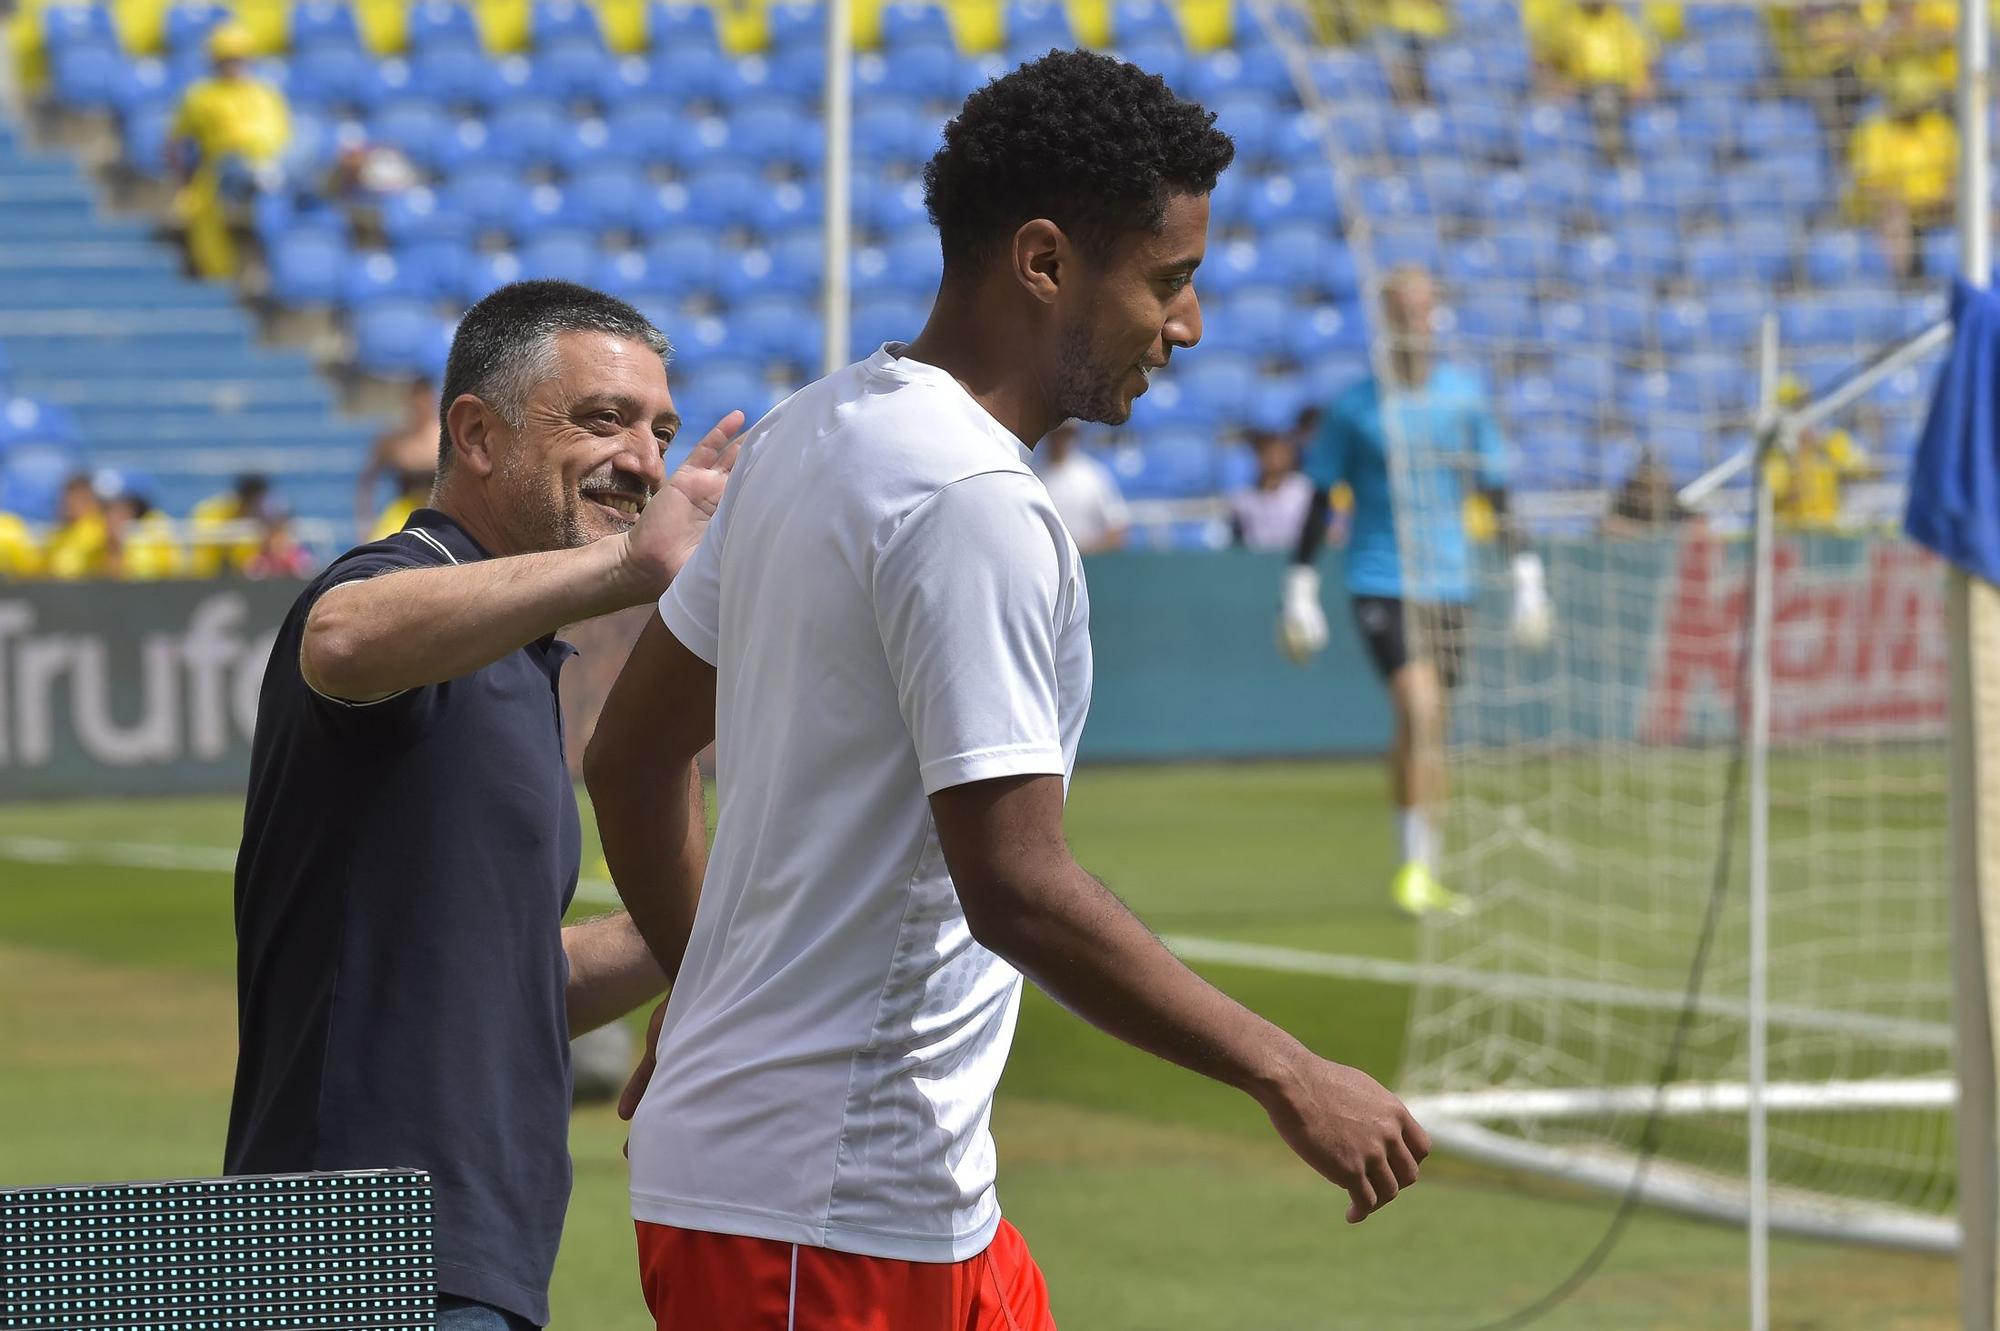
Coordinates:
x,y
1095,145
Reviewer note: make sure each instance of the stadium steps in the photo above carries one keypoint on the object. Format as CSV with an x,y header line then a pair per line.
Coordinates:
x,y
163,375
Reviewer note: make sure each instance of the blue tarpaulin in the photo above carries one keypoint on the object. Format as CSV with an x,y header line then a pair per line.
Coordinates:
x,y
1955,480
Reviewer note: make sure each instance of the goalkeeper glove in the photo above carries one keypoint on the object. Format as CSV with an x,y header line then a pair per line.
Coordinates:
x,y
1302,621
1534,617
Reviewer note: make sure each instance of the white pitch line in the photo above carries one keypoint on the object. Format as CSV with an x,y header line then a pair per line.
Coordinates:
x,y
1204,951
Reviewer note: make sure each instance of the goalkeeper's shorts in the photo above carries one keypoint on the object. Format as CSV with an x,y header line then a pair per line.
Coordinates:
x,y
1398,632
700,1281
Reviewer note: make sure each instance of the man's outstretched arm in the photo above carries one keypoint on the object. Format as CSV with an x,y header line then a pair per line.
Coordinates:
x,y
1027,899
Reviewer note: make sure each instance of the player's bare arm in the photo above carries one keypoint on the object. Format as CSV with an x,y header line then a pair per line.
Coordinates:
x,y
659,717
368,639
1027,899
611,971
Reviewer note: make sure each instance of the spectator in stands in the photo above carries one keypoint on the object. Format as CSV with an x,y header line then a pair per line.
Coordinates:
x,y
1647,501
1603,54
407,452
227,529
1085,494
279,554
20,552
1404,30
1806,485
227,135
1267,516
1821,50
1904,163
78,547
140,544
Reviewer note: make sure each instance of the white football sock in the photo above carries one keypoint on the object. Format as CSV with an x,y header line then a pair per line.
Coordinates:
x,y
1413,835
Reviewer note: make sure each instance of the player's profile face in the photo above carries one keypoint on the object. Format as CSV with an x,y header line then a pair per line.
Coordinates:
x,y
588,455
1133,310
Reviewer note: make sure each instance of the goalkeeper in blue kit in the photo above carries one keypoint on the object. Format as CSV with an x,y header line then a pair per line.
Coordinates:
x,y
1413,621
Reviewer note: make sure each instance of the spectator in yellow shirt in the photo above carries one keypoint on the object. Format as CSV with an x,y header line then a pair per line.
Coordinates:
x,y
228,527
1905,165
1806,484
140,541
20,552
1602,53
229,128
79,547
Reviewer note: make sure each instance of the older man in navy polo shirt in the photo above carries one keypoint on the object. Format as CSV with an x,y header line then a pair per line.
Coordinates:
x,y
406,989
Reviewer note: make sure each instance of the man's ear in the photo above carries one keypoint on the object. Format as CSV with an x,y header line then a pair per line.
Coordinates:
x,y
477,434
1042,258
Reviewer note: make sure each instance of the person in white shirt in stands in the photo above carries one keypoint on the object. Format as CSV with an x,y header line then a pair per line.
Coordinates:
x,y
886,634
1084,492
1268,514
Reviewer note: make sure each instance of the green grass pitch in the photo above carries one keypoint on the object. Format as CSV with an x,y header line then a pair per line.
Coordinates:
x,y
1153,1200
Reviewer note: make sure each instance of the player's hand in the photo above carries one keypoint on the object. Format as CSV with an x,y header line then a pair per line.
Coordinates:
x,y
1301,620
1343,1123
642,1076
1534,620
664,538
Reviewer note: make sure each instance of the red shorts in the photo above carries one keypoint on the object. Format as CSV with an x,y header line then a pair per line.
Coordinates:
x,y
697,1281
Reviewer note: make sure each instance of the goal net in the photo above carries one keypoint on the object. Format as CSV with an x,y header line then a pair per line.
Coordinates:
x,y
1612,202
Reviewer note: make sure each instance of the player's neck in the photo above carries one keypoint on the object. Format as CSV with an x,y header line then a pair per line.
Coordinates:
x,y
1412,369
984,354
475,517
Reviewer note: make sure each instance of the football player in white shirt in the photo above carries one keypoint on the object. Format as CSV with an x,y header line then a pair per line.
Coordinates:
x,y
885,632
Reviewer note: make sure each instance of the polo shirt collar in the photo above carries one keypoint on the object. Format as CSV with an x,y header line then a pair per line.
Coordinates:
x,y
454,540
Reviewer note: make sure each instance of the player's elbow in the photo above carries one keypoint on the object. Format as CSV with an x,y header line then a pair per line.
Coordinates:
x,y
334,654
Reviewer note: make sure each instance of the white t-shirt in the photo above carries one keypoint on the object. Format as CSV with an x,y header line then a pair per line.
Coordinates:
x,y
893,608
1271,519
1086,495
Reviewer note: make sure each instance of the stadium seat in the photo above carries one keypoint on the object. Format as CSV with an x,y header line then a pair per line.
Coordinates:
x,y
415,215
794,23
885,129
798,260
391,337
1137,20
1843,255
887,204
1325,331
1345,75
1254,321
928,69
414,129
319,25
66,27
436,265
785,205
1303,194
486,271
526,132
189,23
377,275
772,132
1036,26
1259,70
688,72
571,71
907,22
26,420
1232,266
685,260
769,327
1775,127
487,197
886,317
1249,119
439,23
335,76
1171,463
306,267
565,21
90,77
1501,319
684,25
568,256
607,195
32,476
1553,131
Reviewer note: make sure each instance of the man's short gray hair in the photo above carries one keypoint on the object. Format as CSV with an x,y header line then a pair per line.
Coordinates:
x,y
505,345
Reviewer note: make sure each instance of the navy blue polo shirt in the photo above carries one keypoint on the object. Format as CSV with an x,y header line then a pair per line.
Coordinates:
x,y
399,899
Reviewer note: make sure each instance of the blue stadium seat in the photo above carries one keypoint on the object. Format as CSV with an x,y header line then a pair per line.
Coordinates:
x,y
545,208
717,386
1036,26
1343,74
725,193
1552,130
693,142
587,141
798,259
914,21
27,420
436,265
421,214
90,77
1472,264
571,70
627,275
1257,69
1255,321
436,23
784,205
146,131
527,132
376,275
32,476
1939,249
684,260
1158,55
885,129
189,23
608,196
644,130
1393,195
769,327
1721,384
886,317
565,255
1234,265
1304,194
306,267
1176,462
1528,248
453,76
1295,252
800,71
1776,127
744,273
564,21
773,131
392,338
1327,330
487,197
414,129
1496,317
1219,384
67,26
888,204
1249,119
335,76
1843,255
927,69
915,259
319,25
486,271
1134,20
683,25
689,71
795,23
1450,185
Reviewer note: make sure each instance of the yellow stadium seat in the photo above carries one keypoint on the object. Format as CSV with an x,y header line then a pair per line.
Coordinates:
x,y
269,23
624,25
977,25
141,24
1208,25
1090,20
743,25
384,24
505,26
